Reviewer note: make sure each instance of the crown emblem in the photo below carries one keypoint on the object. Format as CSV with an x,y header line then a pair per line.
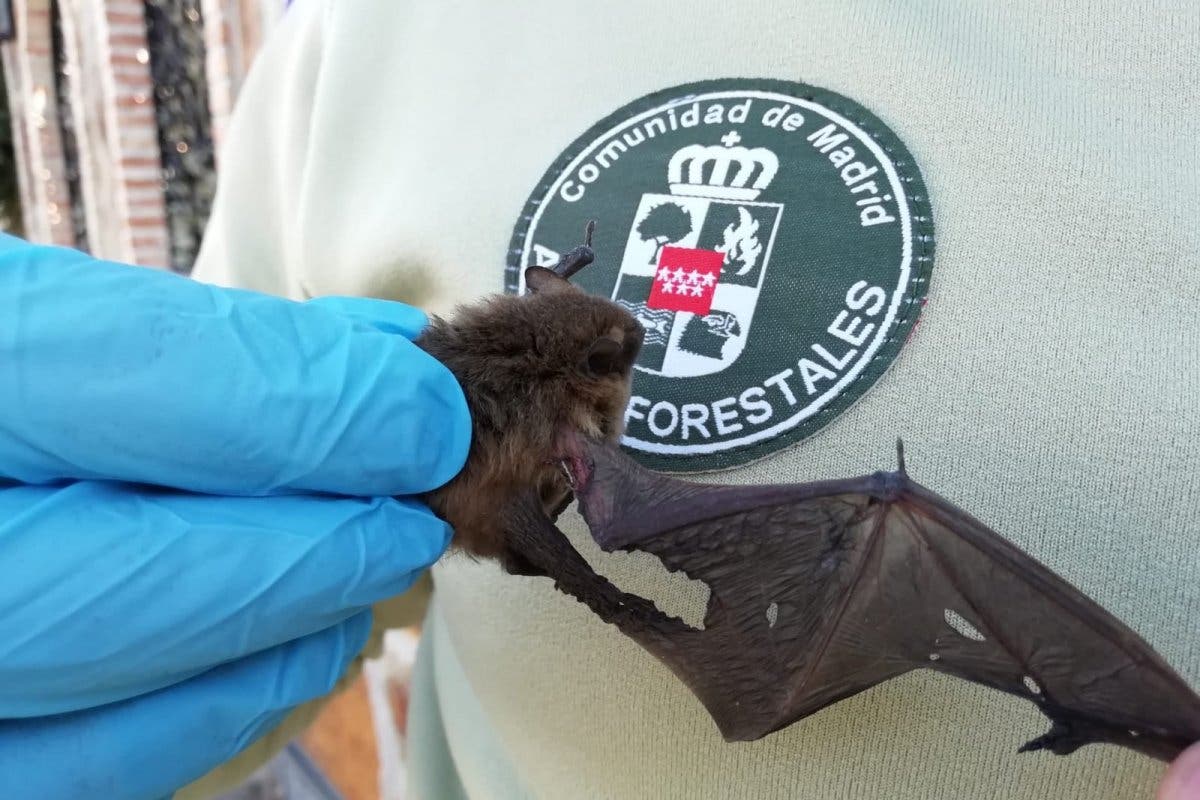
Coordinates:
x,y
728,172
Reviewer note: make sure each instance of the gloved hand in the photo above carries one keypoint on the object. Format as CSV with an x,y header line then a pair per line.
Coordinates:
x,y
196,512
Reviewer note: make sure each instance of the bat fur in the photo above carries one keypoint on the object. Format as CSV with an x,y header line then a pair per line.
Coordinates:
x,y
534,368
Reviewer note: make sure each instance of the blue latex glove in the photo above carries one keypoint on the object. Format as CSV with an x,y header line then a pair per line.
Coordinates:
x,y
196,512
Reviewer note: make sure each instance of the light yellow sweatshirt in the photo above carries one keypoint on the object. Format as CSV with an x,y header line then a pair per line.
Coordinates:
x,y
412,150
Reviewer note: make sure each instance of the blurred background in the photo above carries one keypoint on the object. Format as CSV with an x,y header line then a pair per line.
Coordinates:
x,y
111,118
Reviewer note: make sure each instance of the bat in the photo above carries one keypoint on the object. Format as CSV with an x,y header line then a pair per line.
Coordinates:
x,y
818,591
534,369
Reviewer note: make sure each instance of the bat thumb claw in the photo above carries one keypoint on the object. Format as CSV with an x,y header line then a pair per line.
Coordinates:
x,y
1033,745
900,456
1061,740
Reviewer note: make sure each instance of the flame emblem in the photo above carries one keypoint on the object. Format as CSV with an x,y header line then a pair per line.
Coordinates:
x,y
741,245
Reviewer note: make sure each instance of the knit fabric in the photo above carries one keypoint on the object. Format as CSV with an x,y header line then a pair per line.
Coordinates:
x,y
386,148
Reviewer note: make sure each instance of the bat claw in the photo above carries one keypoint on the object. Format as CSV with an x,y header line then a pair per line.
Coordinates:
x,y
900,456
580,257
1061,740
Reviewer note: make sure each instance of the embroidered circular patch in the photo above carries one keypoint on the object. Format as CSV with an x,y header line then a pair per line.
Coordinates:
x,y
775,240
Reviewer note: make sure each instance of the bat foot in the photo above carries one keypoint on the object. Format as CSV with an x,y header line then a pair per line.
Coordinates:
x,y
1062,739
1065,737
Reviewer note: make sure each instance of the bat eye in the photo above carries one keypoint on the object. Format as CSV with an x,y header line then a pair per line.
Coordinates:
x,y
604,357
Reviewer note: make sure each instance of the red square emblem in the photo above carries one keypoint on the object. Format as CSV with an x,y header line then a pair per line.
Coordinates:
x,y
686,280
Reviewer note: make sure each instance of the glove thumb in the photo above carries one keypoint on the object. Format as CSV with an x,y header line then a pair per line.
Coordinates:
x,y
383,315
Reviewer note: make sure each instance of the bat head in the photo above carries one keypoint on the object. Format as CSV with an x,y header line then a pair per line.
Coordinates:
x,y
536,369
589,344
598,338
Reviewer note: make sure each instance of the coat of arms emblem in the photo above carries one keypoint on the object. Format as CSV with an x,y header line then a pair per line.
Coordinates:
x,y
774,239
696,256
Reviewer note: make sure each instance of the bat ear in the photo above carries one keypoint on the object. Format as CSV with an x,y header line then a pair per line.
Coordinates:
x,y
605,356
541,280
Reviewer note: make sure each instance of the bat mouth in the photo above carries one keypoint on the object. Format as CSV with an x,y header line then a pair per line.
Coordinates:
x,y
573,460
577,470
566,471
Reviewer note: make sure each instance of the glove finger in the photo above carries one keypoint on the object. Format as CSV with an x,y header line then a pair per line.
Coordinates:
x,y
382,315
108,591
151,745
123,373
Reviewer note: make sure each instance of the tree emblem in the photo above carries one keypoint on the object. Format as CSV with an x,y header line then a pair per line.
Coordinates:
x,y
665,224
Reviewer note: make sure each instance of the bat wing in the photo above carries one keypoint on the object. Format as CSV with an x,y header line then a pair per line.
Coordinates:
x,y
819,591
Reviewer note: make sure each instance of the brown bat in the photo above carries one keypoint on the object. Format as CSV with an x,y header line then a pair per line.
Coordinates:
x,y
535,369
818,591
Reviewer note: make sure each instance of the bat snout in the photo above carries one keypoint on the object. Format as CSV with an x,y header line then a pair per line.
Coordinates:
x,y
571,454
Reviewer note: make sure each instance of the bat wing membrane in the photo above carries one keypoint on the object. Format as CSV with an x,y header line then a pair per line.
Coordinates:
x,y
819,591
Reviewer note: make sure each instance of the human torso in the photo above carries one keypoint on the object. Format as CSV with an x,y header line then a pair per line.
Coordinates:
x,y
1049,388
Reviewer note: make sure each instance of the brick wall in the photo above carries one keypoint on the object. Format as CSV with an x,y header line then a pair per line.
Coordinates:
x,y
112,107
128,96
233,34
29,65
